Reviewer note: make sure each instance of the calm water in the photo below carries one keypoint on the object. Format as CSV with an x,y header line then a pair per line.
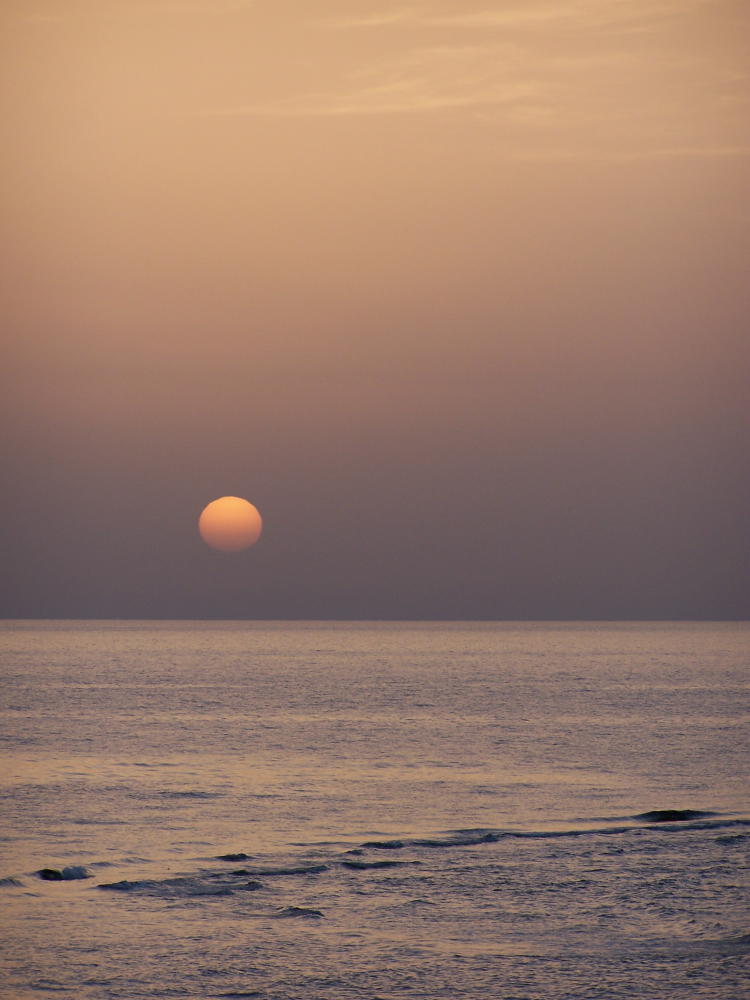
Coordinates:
x,y
411,810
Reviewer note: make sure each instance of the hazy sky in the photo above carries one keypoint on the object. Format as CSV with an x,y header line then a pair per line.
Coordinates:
x,y
455,292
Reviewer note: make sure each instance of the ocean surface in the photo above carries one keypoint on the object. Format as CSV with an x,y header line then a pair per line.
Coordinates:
x,y
374,810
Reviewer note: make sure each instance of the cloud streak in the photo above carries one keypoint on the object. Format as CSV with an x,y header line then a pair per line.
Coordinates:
x,y
591,154
395,99
130,10
586,13
416,81
605,80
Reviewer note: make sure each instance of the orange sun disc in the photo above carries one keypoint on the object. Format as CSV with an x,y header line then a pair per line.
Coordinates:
x,y
230,524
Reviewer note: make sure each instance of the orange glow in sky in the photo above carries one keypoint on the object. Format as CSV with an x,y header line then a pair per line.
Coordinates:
x,y
376,263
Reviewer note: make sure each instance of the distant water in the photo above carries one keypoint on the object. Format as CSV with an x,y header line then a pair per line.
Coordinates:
x,y
339,810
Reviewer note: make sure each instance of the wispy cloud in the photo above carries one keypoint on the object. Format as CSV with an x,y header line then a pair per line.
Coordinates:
x,y
633,89
127,10
409,96
378,19
416,80
592,154
587,13
415,18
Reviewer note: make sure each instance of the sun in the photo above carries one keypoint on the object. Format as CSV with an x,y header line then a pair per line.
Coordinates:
x,y
230,524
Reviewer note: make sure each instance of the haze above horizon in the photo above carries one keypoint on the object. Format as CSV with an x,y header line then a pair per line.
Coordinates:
x,y
455,292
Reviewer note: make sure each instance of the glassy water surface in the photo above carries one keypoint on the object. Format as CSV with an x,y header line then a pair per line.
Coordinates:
x,y
288,810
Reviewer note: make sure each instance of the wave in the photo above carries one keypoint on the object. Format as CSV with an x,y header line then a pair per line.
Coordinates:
x,y
673,815
299,870
87,821
68,874
224,883
298,911
735,945
459,838
472,838
740,942
238,996
364,865
732,838
363,862
168,888
169,794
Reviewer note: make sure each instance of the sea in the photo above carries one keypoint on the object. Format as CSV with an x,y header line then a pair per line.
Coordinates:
x,y
380,810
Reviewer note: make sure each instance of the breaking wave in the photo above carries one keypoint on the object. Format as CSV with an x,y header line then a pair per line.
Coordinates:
x,y
673,815
210,883
68,874
665,821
